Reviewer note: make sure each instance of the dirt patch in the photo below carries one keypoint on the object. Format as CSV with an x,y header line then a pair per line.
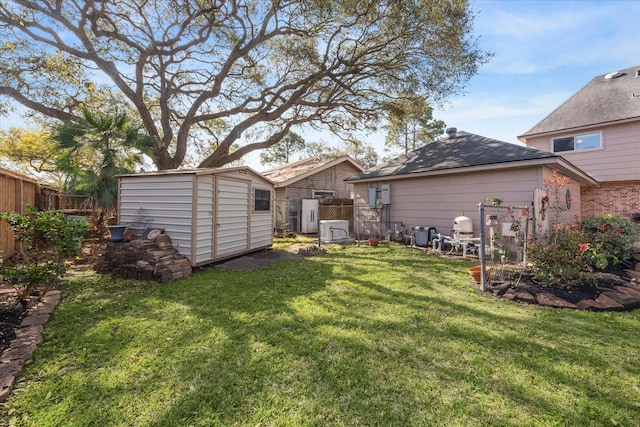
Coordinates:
x,y
260,259
256,260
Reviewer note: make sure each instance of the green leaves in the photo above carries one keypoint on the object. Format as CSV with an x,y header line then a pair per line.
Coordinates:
x,y
411,124
262,67
96,148
58,237
284,150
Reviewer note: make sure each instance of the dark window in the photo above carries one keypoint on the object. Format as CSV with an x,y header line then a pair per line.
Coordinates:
x,y
563,144
262,200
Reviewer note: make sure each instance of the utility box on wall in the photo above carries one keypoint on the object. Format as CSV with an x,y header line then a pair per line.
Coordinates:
x,y
386,194
373,196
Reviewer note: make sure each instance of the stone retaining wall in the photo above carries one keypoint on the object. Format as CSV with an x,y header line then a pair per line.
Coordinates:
x,y
144,259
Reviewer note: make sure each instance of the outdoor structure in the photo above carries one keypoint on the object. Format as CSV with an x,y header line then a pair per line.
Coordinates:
x,y
300,186
16,192
446,179
598,130
209,214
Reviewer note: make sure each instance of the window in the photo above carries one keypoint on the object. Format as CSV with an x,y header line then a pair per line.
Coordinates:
x,y
261,200
587,141
318,194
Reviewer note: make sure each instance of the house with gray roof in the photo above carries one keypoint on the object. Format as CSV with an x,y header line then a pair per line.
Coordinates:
x,y
440,181
312,180
598,130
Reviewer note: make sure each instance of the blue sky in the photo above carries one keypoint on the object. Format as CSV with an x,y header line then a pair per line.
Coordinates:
x,y
545,51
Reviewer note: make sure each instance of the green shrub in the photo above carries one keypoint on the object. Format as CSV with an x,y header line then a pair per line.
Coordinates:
x,y
594,242
614,235
559,258
59,237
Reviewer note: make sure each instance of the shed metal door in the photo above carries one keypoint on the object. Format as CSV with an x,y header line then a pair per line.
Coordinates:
x,y
232,217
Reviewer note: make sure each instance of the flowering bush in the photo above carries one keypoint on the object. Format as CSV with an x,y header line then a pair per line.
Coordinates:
x,y
613,234
561,257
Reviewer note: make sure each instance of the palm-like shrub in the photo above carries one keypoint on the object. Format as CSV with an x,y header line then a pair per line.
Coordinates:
x,y
97,147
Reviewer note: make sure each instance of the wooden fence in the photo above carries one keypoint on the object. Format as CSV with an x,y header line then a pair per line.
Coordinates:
x,y
16,192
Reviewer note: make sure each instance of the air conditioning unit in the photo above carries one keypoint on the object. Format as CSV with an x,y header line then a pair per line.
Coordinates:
x,y
332,230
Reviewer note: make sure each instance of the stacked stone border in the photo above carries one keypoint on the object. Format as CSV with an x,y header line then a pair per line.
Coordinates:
x,y
28,336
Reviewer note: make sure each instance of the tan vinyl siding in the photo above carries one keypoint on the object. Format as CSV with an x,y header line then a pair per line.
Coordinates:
x,y
436,201
617,160
167,204
203,229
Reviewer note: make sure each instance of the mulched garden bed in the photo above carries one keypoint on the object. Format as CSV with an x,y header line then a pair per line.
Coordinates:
x,y
520,286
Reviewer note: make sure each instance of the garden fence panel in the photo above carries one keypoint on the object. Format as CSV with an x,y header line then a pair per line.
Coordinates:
x,y
506,230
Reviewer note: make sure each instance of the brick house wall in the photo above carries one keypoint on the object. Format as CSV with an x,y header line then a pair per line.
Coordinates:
x,y
620,198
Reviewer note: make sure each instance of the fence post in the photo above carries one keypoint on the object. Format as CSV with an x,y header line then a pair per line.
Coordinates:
x,y
483,262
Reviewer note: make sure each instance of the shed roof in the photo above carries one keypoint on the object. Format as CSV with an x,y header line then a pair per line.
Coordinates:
x,y
609,98
465,152
200,171
289,173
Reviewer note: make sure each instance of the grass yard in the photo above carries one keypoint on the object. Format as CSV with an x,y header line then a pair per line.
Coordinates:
x,y
359,336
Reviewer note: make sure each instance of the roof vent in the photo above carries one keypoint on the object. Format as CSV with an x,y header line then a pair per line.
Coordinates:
x,y
613,75
451,132
638,73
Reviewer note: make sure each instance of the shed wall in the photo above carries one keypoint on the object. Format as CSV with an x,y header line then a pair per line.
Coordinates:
x,y
231,217
207,215
167,201
203,229
260,224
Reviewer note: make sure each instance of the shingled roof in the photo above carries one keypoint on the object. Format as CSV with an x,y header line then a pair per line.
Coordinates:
x,y
464,152
289,173
608,98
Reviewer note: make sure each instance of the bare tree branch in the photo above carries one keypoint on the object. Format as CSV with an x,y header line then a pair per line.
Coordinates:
x,y
262,67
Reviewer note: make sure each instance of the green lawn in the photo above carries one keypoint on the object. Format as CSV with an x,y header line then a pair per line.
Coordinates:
x,y
360,336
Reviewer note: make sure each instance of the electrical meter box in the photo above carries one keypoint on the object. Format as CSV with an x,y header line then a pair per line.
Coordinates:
x,y
386,194
373,195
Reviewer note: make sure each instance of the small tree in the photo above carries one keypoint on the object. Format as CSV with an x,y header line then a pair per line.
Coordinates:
x,y
411,125
555,201
284,150
95,149
364,154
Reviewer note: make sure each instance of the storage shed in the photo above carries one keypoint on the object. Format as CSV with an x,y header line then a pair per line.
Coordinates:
x,y
210,214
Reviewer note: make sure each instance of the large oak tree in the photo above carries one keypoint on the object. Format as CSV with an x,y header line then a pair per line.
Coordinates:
x,y
259,66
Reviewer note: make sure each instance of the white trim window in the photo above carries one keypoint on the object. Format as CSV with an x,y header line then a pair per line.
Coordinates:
x,y
587,141
261,200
